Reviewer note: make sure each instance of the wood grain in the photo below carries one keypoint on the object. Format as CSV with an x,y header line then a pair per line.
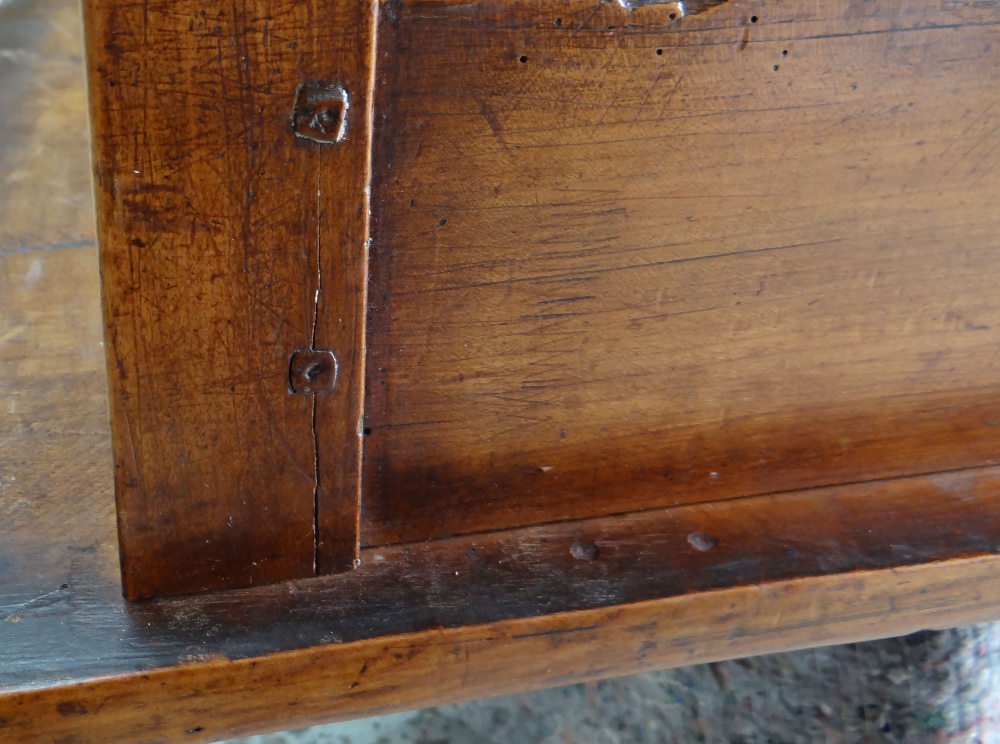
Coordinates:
x,y
218,699
227,243
471,615
790,570
623,262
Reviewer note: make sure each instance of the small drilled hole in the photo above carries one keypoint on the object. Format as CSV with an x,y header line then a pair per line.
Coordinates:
x,y
523,59
673,16
702,542
558,21
775,68
784,52
659,52
753,19
584,551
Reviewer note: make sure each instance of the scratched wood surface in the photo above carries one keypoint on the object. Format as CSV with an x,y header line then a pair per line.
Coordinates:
x,y
623,262
227,243
478,614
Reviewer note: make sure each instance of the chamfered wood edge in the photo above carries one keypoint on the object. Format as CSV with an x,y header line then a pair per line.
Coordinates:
x,y
219,699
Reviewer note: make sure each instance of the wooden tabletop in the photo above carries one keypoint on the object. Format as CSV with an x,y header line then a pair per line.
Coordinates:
x,y
454,619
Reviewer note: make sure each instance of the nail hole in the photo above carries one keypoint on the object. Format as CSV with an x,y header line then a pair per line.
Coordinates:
x,y
753,19
558,21
784,52
659,52
701,541
775,68
523,59
442,222
584,551
64,586
196,730
673,16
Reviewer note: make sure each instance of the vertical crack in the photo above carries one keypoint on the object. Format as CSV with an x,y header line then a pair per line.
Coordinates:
x,y
315,490
312,347
319,247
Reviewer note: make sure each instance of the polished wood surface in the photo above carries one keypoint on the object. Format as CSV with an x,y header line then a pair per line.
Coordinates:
x,y
228,242
624,262
471,615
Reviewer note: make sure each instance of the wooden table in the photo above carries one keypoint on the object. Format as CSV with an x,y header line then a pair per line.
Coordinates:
x,y
909,543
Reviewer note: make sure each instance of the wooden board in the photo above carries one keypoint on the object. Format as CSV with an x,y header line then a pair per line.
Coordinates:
x,y
480,615
218,698
228,242
623,262
476,614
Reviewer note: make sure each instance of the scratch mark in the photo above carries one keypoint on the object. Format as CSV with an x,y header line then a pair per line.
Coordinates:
x,y
649,92
583,24
604,69
491,118
677,83
622,87
979,119
11,615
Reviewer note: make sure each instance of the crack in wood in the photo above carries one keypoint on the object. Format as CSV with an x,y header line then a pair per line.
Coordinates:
x,y
312,347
